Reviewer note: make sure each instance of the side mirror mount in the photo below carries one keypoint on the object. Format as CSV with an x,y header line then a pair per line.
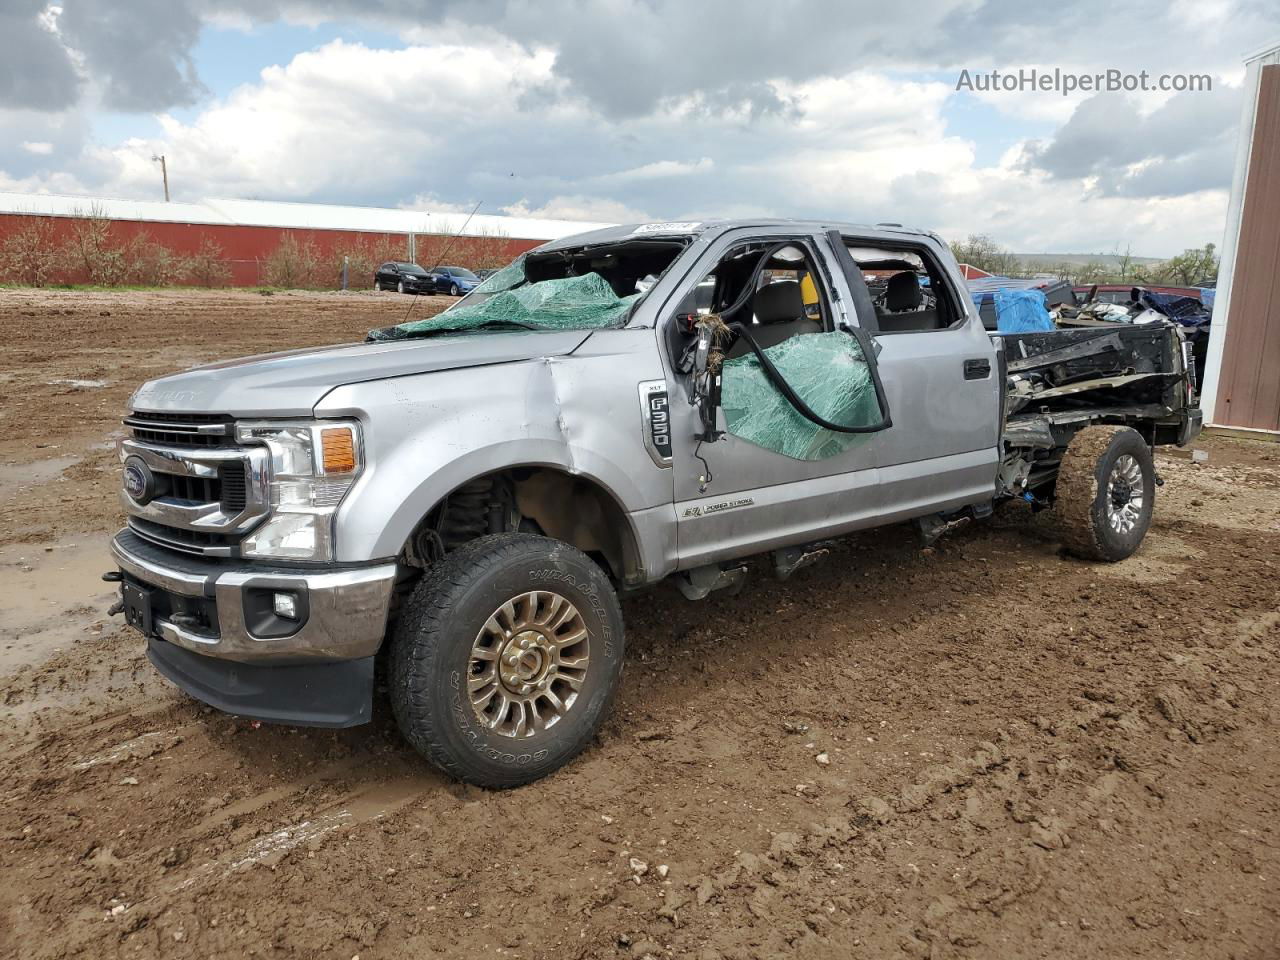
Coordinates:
x,y
708,358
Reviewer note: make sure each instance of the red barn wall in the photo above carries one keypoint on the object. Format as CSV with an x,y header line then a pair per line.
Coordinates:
x,y
245,249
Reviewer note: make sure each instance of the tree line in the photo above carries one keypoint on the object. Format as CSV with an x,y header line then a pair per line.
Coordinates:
x,y
1193,267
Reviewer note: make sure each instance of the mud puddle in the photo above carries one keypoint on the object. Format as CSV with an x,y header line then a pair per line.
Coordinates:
x,y
51,596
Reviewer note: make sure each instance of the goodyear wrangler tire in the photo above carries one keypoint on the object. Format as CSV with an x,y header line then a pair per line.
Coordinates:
x,y
1105,493
505,659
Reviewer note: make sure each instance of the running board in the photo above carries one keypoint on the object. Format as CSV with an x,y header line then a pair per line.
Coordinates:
x,y
695,584
790,559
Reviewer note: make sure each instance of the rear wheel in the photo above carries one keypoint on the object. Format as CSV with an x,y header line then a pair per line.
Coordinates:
x,y
505,659
455,291
1105,493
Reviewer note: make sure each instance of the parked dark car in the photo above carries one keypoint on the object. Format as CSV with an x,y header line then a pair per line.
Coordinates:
x,y
454,281
403,278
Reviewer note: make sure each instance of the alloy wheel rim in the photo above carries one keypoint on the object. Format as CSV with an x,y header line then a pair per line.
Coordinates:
x,y
528,663
1126,492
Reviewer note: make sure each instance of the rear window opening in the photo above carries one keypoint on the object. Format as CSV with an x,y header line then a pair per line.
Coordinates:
x,y
907,289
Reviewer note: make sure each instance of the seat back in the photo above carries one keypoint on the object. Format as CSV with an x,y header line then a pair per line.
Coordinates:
x,y
779,310
903,292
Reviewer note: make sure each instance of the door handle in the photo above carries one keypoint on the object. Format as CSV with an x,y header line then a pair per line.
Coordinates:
x,y
978,369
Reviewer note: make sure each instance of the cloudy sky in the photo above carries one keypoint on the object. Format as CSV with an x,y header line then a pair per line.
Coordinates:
x,y
643,109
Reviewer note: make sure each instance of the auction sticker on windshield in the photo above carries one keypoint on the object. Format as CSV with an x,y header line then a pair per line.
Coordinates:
x,y
679,226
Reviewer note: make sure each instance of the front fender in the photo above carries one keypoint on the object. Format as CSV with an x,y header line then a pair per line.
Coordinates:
x,y
427,435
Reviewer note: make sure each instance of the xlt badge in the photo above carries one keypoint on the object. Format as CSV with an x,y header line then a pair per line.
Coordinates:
x,y
655,414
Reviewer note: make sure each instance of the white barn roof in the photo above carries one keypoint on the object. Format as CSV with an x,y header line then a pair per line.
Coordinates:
x,y
279,214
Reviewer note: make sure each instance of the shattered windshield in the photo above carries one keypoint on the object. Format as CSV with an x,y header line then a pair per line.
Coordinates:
x,y
587,288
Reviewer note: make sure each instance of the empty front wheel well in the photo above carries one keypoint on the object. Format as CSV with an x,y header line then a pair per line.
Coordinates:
x,y
574,509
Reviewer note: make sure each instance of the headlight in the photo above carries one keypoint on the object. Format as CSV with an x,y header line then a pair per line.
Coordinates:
x,y
312,466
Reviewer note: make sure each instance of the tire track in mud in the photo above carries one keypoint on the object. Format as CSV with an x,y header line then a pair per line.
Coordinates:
x,y
801,892
138,878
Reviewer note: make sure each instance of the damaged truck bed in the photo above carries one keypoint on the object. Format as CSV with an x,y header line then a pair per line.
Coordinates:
x,y
1056,381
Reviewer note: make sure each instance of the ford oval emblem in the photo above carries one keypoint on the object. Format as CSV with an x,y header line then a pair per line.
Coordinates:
x,y
139,481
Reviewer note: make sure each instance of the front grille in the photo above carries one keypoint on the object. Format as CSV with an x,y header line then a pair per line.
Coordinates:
x,y
234,487
207,514
182,429
229,488
176,538
192,489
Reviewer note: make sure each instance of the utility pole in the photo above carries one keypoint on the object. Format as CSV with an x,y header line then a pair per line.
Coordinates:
x,y
164,172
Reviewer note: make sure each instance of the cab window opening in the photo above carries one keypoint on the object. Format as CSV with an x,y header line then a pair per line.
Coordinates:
x,y
908,289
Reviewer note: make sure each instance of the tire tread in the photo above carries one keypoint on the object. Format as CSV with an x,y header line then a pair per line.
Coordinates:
x,y
1077,491
425,616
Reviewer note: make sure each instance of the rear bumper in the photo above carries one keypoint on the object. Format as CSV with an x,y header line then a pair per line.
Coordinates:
x,y
338,694
1191,427
223,610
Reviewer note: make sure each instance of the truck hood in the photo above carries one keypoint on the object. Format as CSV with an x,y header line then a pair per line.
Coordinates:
x,y
291,383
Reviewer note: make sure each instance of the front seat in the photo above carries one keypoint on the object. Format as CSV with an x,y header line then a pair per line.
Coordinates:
x,y
779,310
903,292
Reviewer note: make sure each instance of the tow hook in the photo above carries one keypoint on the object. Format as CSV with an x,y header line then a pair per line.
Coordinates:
x,y
114,576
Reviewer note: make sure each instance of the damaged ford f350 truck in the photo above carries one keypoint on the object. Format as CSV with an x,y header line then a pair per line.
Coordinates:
x,y
466,495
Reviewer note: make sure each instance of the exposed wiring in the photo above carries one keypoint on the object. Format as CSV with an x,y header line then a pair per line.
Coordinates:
x,y
793,398
705,480
775,377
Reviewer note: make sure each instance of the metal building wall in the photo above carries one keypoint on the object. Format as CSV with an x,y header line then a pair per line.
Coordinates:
x,y
1248,380
245,249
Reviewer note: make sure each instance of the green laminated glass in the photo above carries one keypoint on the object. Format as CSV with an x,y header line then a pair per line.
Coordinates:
x,y
827,371
512,275
571,303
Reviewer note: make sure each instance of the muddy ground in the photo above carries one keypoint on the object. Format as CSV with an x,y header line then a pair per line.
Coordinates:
x,y
984,749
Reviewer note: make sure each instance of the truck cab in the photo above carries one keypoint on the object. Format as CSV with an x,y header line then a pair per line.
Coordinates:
x,y
465,496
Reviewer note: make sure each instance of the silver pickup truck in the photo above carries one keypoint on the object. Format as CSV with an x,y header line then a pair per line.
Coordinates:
x,y
461,499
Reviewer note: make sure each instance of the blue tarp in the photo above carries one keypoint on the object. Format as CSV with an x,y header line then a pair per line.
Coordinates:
x,y
1021,311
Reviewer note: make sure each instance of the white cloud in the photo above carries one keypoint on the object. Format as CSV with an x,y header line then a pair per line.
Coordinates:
x,y
658,170
593,209
443,125
39,147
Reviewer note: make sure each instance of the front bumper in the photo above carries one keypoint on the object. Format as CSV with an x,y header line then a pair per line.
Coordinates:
x,y
211,630
219,609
